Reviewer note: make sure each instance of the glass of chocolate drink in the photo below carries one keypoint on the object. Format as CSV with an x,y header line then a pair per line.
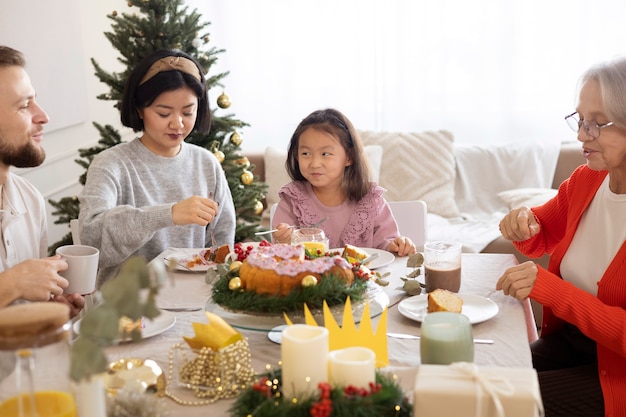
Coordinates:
x,y
442,266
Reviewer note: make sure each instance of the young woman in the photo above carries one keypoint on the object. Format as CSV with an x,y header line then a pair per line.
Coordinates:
x,y
157,191
331,179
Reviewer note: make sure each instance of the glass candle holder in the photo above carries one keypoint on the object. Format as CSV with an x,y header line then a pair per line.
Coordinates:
x,y
446,338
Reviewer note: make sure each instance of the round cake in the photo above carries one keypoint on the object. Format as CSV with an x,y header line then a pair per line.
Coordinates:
x,y
278,269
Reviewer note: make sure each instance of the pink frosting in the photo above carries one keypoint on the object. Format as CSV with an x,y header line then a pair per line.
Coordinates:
x,y
264,257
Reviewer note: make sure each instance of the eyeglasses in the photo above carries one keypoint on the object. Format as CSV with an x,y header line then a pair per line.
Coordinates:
x,y
592,128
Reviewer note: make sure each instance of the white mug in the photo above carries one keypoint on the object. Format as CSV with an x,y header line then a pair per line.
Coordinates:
x,y
82,268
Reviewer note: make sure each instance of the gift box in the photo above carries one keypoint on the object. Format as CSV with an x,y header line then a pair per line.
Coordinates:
x,y
466,390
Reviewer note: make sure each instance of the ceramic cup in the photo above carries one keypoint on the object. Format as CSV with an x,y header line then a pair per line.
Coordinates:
x,y
442,266
446,338
313,239
82,262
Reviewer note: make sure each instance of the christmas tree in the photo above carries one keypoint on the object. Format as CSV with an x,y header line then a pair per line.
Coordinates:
x,y
168,24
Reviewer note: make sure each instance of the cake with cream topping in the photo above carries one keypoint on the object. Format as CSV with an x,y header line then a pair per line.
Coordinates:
x,y
278,269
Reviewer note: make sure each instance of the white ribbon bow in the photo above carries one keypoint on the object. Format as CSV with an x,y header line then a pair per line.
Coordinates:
x,y
494,386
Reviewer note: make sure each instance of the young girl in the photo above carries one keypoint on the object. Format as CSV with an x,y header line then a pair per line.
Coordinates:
x,y
157,191
331,179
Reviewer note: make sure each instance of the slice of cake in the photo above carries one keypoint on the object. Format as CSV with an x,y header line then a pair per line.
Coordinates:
x,y
353,254
444,300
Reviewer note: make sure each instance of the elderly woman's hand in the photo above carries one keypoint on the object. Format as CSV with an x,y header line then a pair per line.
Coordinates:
x,y
519,224
519,280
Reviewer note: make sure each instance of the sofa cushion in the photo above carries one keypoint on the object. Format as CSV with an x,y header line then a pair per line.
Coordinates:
x,y
483,171
417,166
529,197
276,175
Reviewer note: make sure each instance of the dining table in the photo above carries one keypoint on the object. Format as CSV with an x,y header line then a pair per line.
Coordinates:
x,y
185,295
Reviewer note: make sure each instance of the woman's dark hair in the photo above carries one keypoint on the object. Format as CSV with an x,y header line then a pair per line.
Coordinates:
x,y
139,95
356,176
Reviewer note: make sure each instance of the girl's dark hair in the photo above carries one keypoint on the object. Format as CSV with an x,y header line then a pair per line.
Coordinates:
x,y
356,177
139,96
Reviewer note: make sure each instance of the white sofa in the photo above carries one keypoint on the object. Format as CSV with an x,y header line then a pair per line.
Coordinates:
x,y
467,188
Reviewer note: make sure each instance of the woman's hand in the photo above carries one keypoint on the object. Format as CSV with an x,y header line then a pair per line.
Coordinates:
x,y
519,280
283,233
402,245
194,210
519,224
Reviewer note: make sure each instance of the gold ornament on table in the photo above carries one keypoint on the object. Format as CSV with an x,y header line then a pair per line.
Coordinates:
x,y
223,101
219,155
258,207
236,139
247,177
215,363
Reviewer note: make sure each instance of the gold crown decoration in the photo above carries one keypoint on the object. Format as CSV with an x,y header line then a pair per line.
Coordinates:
x,y
348,335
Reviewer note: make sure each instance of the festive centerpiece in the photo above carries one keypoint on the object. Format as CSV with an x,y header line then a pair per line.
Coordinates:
x,y
269,279
325,373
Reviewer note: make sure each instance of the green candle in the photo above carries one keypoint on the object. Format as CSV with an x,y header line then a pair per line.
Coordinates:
x,y
446,338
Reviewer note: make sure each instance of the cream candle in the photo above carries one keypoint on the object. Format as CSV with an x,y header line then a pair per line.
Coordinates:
x,y
304,353
352,366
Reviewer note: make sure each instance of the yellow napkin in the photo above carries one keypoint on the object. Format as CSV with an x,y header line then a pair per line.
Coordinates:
x,y
217,334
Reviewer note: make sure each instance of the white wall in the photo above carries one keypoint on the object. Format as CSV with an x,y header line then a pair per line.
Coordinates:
x,y
58,38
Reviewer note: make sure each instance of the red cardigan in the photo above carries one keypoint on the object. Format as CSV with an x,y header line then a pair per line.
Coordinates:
x,y
602,318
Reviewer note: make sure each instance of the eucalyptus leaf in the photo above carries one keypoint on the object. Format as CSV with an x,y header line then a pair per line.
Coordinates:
x,y
415,260
412,287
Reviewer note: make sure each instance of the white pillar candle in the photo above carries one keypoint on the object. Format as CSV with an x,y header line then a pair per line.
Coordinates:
x,y
91,397
304,353
352,366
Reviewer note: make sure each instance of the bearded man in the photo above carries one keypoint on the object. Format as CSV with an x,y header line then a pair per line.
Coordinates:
x,y
26,273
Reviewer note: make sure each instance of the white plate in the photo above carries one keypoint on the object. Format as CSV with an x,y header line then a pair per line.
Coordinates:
x,y
475,307
384,257
182,259
158,325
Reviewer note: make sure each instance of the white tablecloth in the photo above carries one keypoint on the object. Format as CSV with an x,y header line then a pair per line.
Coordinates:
x,y
511,328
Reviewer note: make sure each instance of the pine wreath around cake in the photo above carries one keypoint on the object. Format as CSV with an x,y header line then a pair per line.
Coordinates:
x,y
274,278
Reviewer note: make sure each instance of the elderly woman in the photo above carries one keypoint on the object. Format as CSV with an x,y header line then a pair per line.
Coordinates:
x,y
581,355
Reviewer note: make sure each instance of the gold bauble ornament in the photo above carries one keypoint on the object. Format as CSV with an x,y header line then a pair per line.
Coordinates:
x,y
223,101
258,207
234,267
242,162
309,281
219,155
234,283
114,13
247,177
236,139
130,4
206,39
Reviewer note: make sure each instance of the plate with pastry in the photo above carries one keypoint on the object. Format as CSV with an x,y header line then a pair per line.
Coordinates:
x,y
196,260
475,307
356,254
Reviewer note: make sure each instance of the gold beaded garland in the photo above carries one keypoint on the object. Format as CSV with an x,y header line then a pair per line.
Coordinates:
x,y
208,372
247,177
